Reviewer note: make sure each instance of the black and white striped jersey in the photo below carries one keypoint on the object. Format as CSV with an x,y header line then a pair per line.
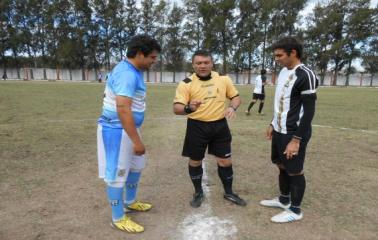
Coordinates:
x,y
294,101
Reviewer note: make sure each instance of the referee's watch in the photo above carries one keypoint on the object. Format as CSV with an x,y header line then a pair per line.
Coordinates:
x,y
187,109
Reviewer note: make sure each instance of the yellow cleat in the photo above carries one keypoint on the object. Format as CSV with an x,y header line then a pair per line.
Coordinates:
x,y
139,206
127,225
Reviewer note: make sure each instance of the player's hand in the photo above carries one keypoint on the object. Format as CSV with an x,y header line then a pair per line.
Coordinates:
x,y
139,148
195,104
230,113
269,132
292,148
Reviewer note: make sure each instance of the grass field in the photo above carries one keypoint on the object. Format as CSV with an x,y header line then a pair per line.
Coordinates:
x,y
48,169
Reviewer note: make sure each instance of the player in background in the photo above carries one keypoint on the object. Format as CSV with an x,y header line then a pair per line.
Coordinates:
x,y
120,147
258,92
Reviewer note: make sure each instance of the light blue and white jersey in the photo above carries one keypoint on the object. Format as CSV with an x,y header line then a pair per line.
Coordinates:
x,y
123,80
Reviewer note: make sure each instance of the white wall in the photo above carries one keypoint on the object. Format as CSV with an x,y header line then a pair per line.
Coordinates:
x,y
155,77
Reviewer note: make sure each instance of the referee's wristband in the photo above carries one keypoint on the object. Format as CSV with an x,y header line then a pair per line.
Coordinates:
x,y
187,109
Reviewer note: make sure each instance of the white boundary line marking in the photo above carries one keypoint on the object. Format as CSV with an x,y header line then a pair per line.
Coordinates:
x,y
172,119
204,226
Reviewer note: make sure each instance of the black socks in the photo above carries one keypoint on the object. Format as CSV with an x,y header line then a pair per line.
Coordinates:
x,y
226,176
250,106
297,189
284,183
261,106
196,176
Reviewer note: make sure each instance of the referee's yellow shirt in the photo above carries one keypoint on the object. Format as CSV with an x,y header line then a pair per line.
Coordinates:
x,y
213,94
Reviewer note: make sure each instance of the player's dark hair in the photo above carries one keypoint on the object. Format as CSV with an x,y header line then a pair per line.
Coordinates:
x,y
263,71
203,53
142,43
288,44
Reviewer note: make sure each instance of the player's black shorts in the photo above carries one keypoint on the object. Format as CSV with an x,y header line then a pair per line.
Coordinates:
x,y
279,143
258,96
200,135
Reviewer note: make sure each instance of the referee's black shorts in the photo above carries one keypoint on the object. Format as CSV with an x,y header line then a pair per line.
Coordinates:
x,y
258,96
200,135
279,143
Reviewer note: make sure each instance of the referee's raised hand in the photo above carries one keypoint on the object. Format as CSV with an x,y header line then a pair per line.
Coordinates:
x,y
195,104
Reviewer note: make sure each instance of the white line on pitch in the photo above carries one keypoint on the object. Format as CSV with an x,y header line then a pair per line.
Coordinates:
x,y
204,226
171,119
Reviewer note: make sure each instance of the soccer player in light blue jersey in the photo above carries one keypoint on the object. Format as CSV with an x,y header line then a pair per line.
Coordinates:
x,y
120,148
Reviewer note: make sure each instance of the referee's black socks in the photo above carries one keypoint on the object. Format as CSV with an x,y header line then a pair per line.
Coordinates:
x,y
297,189
196,176
226,176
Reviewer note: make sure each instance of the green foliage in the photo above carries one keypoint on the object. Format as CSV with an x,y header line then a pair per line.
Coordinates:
x,y
94,33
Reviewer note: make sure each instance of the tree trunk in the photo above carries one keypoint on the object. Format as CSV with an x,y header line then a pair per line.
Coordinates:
x,y
322,76
264,43
249,67
161,69
371,80
348,73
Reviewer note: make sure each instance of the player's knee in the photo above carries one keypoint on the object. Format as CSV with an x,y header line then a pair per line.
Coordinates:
x,y
116,184
296,174
281,167
195,163
224,162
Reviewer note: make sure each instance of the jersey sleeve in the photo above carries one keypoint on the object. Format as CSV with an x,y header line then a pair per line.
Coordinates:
x,y
307,88
231,91
125,84
182,93
307,83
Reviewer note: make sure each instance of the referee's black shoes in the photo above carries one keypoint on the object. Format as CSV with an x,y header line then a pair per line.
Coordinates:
x,y
197,199
234,198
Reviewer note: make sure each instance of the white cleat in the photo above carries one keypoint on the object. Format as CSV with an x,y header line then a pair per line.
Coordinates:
x,y
274,203
286,216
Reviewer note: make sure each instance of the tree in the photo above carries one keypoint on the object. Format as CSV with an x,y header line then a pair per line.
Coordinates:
x,y
193,27
317,40
370,59
247,36
5,36
345,24
218,27
358,29
175,41
160,13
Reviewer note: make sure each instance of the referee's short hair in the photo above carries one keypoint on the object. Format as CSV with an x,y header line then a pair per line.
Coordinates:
x,y
142,43
263,71
202,52
288,44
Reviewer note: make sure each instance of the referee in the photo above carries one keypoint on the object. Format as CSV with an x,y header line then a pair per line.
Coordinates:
x,y
290,129
202,97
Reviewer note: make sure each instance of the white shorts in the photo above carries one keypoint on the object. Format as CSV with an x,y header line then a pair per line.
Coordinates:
x,y
116,155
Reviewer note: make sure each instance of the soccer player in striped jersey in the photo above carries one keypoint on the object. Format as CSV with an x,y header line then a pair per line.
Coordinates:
x,y
290,129
120,148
